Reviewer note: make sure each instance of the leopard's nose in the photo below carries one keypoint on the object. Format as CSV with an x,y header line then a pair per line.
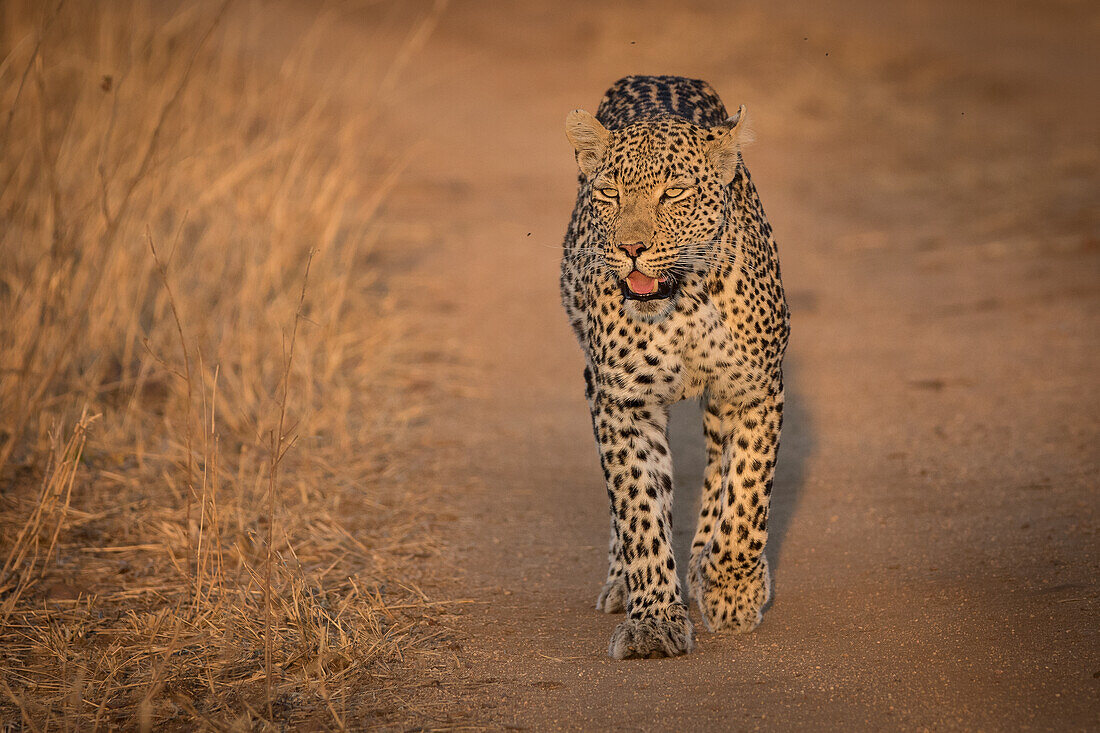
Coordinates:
x,y
632,248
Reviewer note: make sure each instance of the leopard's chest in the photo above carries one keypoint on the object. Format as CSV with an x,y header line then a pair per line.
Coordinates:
x,y
694,349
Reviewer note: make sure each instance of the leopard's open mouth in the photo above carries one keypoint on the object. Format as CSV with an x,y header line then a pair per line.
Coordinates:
x,y
637,286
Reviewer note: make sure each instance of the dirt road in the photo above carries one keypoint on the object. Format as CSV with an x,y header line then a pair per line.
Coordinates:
x,y
931,174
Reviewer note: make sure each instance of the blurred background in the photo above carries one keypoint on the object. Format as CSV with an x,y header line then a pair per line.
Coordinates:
x,y
292,429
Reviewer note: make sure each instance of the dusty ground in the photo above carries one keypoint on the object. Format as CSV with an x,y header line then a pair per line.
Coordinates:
x,y
931,174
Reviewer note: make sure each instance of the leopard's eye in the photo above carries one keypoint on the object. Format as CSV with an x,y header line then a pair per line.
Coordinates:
x,y
611,193
674,193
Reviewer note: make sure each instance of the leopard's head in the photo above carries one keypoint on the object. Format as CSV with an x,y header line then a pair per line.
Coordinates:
x,y
658,191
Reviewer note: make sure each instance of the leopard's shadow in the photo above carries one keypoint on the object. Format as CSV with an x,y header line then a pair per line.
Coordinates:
x,y
688,454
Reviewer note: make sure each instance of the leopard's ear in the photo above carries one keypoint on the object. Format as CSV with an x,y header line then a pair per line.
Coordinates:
x,y
589,139
725,150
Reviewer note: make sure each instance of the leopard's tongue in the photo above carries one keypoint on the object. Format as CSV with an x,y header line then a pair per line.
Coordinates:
x,y
641,284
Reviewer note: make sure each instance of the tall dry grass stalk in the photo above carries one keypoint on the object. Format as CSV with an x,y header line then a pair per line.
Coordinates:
x,y
194,444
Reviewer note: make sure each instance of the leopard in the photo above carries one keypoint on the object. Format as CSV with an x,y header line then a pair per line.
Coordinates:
x,y
670,280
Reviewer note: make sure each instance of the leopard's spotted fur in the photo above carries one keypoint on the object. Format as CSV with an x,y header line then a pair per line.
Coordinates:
x,y
666,203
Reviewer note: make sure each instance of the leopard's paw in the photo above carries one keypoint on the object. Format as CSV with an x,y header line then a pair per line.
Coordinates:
x,y
666,635
731,603
613,596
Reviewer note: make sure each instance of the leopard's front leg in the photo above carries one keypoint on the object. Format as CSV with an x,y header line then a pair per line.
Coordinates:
x,y
714,430
612,598
729,576
634,453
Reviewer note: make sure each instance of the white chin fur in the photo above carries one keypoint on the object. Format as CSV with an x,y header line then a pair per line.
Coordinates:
x,y
648,310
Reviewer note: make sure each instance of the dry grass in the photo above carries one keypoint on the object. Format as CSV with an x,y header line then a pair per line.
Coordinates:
x,y
200,446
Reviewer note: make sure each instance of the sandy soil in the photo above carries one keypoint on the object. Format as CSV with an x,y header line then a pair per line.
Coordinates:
x,y
931,174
